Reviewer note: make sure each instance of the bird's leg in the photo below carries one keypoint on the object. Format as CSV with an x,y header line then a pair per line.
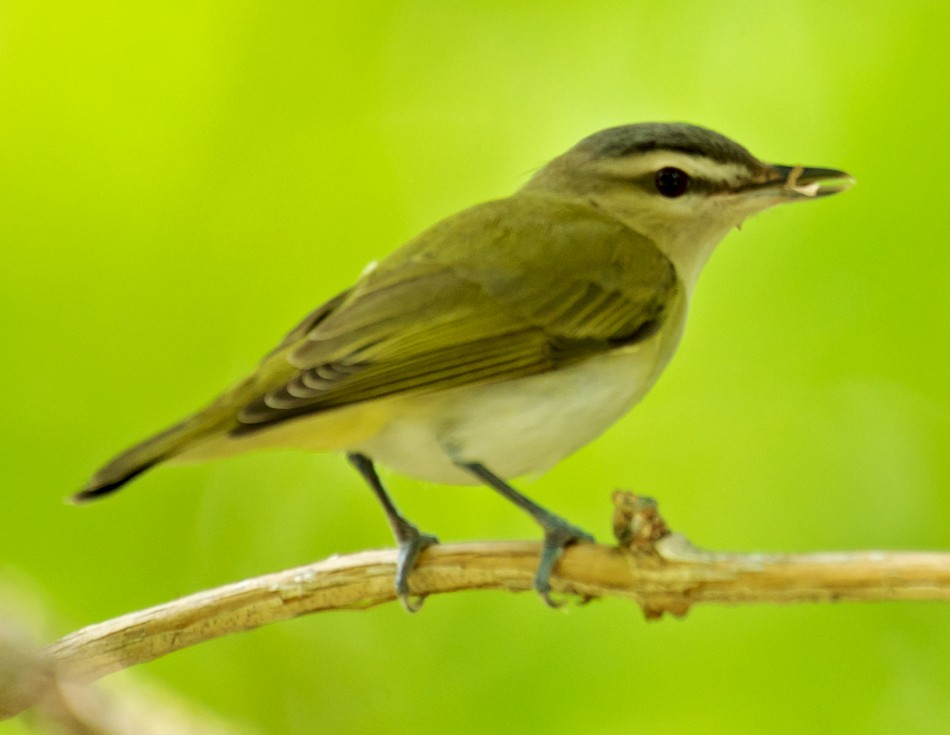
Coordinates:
x,y
411,541
558,533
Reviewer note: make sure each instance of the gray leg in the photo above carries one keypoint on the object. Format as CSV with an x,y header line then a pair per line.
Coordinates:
x,y
410,540
558,533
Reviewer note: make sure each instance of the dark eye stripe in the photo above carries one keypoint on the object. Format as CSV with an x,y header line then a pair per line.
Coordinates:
x,y
647,182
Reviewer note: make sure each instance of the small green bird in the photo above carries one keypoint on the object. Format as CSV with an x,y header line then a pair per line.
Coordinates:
x,y
503,338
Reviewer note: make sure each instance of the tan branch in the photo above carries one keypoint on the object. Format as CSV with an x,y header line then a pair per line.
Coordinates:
x,y
673,580
659,571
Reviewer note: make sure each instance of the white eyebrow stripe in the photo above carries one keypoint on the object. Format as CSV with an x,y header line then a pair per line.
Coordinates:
x,y
698,167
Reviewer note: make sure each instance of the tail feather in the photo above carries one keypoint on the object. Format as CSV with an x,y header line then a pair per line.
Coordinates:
x,y
99,486
159,448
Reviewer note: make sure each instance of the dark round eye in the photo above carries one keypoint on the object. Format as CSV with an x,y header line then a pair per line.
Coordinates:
x,y
671,182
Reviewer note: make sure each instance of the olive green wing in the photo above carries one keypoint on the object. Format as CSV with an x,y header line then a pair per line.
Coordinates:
x,y
506,290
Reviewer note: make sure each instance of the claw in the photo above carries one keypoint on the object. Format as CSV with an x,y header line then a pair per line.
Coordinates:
x,y
558,535
411,543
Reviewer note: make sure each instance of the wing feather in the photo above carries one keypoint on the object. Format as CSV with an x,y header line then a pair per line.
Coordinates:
x,y
506,290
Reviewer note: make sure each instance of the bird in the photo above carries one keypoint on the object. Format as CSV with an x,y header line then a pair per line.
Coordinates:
x,y
503,338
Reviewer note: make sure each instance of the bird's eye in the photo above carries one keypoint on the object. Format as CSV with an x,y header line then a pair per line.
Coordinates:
x,y
671,182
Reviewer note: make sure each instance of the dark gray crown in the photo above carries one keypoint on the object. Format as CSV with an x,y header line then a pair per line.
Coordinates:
x,y
680,137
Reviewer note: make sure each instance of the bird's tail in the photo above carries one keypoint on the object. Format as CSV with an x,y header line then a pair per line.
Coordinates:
x,y
159,448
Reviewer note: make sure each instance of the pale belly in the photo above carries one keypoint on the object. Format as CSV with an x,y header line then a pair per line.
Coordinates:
x,y
516,427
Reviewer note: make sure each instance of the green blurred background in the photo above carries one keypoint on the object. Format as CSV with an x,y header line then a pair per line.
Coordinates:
x,y
181,181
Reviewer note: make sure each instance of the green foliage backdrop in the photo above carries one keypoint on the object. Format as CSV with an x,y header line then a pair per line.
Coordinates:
x,y
181,181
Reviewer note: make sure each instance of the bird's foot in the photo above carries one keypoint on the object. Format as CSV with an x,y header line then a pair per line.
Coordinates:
x,y
558,535
412,542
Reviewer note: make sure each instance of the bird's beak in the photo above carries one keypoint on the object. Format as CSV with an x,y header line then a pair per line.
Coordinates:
x,y
794,182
